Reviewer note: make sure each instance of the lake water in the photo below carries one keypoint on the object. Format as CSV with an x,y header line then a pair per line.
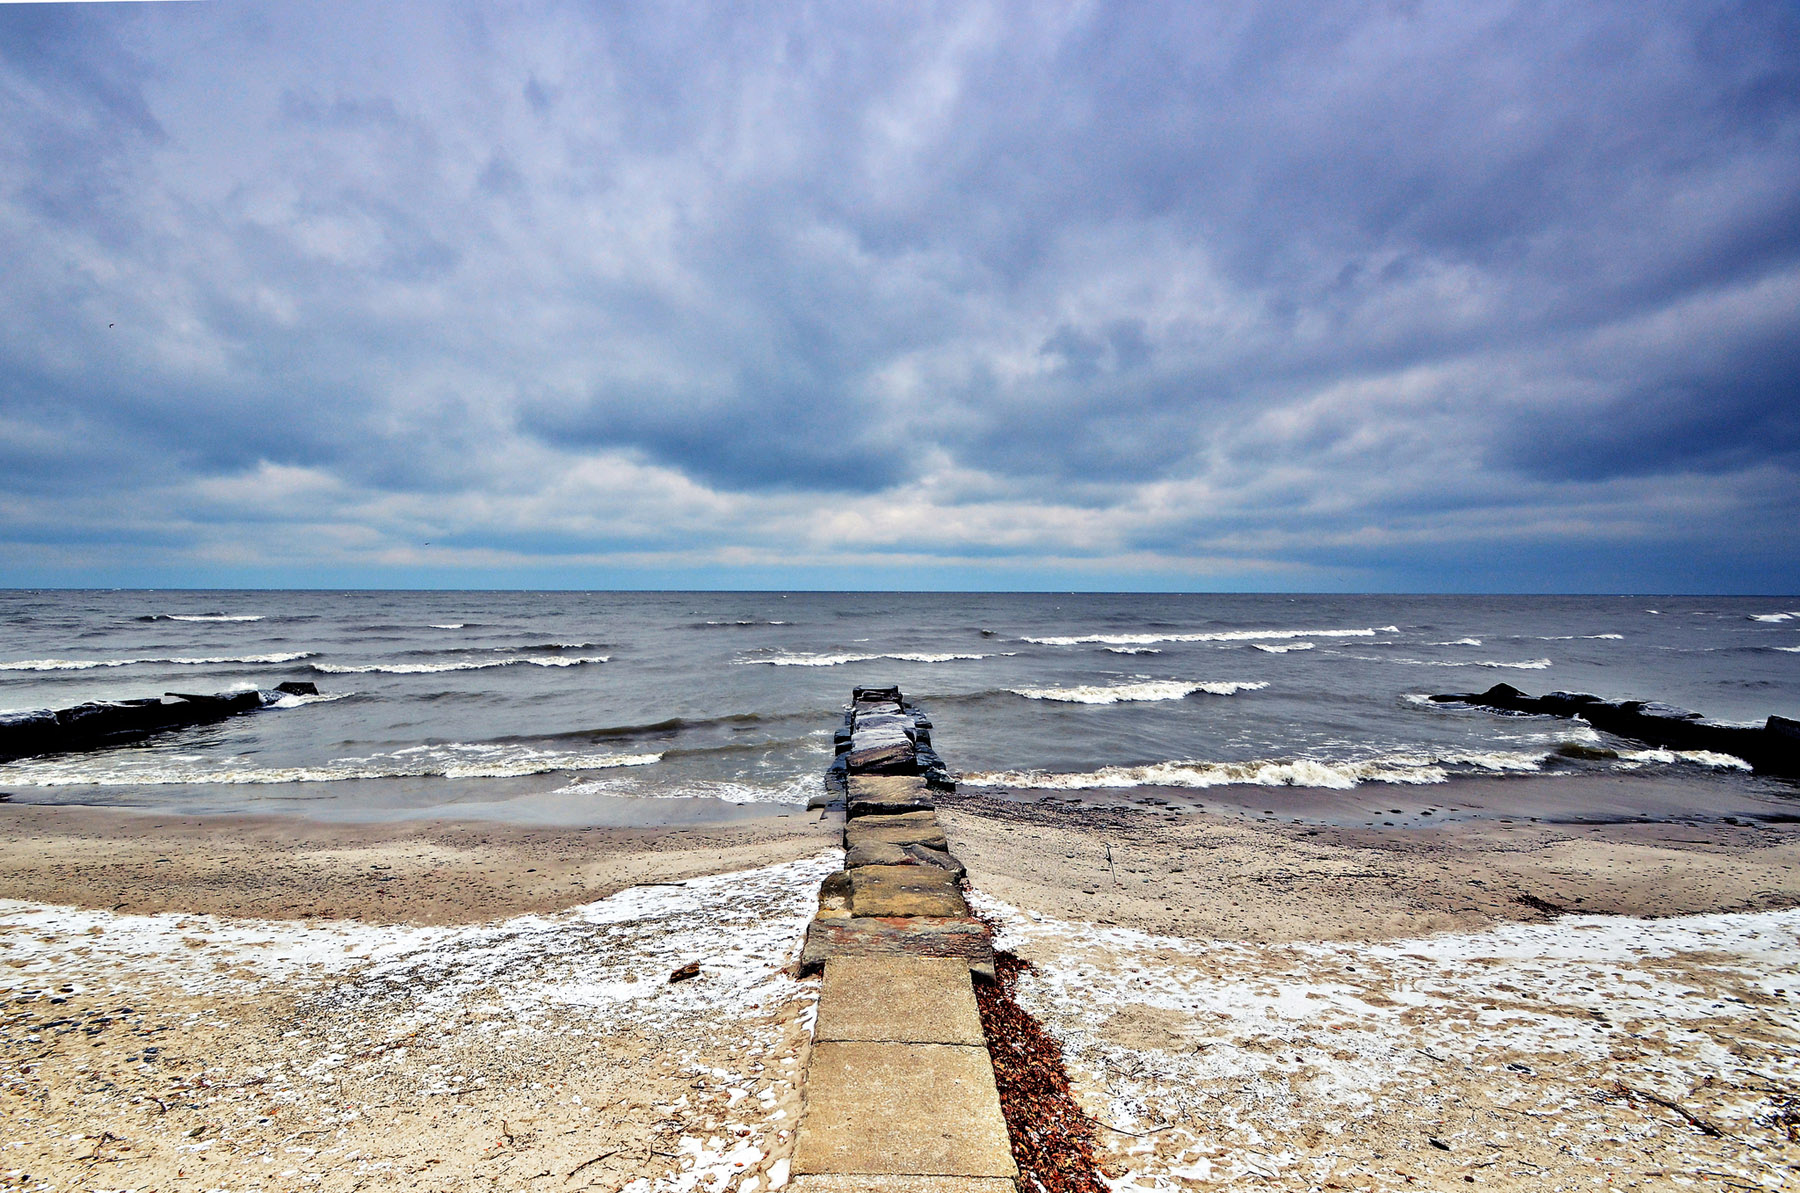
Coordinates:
x,y
579,706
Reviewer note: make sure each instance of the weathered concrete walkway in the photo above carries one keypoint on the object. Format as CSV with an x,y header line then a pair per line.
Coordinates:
x,y
900,1093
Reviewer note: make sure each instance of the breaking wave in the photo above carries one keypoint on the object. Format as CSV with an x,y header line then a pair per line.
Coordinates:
x,y
1133,650
1292,646
1774,616
214,661
1300,772
201,617
834,660
1527,665
460,665
1214,636
1124,693
1708,758
453,761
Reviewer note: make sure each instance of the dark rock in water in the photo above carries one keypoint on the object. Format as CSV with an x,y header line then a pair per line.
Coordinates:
x,y
297,687
1566,704
1773,748
101,723
889,695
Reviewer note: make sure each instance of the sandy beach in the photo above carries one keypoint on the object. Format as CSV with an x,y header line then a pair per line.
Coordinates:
x,y
1247,1001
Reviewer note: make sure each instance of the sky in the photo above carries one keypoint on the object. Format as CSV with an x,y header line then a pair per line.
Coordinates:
x,y
1464,296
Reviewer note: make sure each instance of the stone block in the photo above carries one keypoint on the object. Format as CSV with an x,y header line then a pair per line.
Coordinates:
x,y
916,936
875,853
898,1000
920,855
834,894
884,795
893,759
902,828
905,891
902,1109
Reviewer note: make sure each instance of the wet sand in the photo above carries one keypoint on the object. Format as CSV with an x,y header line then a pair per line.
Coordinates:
x,y
1248,867
405,872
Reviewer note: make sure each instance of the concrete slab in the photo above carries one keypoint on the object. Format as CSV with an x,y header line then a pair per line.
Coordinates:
x,y
917,936
868,1182
898,1000
905,891
904,1109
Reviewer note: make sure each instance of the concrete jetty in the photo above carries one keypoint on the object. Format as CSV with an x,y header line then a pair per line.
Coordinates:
x,y
899,1094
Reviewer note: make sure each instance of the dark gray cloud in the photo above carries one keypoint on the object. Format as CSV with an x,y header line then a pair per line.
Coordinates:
x,y
1212,293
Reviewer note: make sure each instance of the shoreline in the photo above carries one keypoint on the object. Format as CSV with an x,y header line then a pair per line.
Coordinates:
x,y
1239,874
1371,861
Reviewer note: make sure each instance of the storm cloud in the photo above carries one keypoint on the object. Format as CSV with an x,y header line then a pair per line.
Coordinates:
x,y
1373,295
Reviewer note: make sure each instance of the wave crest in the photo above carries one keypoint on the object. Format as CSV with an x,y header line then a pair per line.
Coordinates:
x,y
1213,636
1298,772
287,656
1168,689
460,665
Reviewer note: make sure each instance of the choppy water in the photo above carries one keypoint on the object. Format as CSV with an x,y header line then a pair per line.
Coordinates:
x,y
569,706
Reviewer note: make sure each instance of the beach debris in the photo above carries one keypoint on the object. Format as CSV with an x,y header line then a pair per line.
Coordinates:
x,y
1053,1138
690,970
1620,1089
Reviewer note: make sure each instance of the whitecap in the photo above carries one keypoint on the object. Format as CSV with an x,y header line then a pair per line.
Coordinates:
x,y
1336,775
1789,649
834,660
1773,616
1707,758
449,625
1460,642
1132,650
296,699
455,760
1268,649
462,665
1527,665
1171,689
1214,636
215,616
212,661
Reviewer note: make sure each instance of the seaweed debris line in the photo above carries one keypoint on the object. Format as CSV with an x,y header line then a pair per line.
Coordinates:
x,y
900,1091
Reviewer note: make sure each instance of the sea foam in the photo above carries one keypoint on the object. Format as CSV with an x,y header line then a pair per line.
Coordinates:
x,y
1214,636
1171,689
455,760
288,656
459,665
